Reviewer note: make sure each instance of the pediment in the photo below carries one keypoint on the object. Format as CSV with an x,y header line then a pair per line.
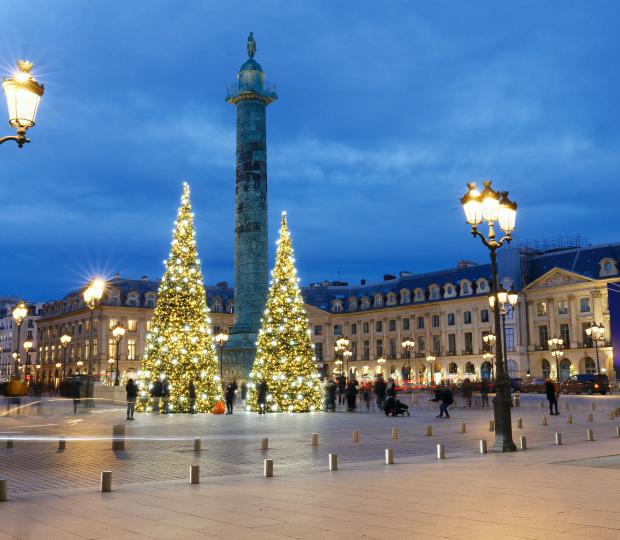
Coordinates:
x,y
557,277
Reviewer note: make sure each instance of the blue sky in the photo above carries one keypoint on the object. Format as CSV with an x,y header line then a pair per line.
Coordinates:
x,y
385,110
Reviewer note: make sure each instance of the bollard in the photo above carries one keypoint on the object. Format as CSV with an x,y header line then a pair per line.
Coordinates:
x,y
356,436
106,482
590,417
520,423
315,439
197,445
118,437
61,443
389,456
543,421
594,405
4,490
612,416
268,468
194,474
523,442
542,404
441,454
617,431
558,439
517,400
589,435
333,462
394,433
483,446
491,425
264,444
569,419
9,442
429,431
463,427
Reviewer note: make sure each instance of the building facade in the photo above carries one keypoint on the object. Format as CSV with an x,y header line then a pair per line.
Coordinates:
x,y
8,338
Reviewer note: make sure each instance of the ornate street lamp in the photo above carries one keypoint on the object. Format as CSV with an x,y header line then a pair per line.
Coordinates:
x,y
92,296
118,333
408,345
430,360
596,332
65,339
20,311
494,207
221,340
341,348
23,94
339,364
79,365
28,345
380,362
507,301
555,346
111,362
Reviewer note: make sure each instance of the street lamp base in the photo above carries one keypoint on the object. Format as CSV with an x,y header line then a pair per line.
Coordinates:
x,y
503,424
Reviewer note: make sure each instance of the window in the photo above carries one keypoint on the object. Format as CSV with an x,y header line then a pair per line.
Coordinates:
x,y
132,325
150,302
452,344
352,304
406,324
337,329
318,351
420,323
112,323
132,300
391,299
509,336
453,368
587,341
513,368
112,348
543,336
565,335
435,321
131,349
95,347
366,353
434,293
419,295
318,330
365,302
451,319
354,329
392,348
584,305
436,345
467,317
354,350
546,368
483,285
365,328
484,315
30,323
562,307
337,306
449,291
392,325
421,344
469,368
405,297
541,309
590,365
379,348
216,330
469,342
379,326
378,300
465,288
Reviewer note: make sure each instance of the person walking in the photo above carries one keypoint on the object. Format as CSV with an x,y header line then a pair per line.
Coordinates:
x,y
484,392
76,389
262,397
552,397
342,387
446,398
191,392
351,396
330,395
391,390
366,395
380,388
156,392
229,395
132,393
467,390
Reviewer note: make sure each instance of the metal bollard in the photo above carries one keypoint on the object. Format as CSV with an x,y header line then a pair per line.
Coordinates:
x,y
9,442
491,425
483,446
268,468
118,437
4,490
106,482
197,445
463,427
315,439
194,474
394,433
590,417
61,443
389,456
589,435
523,442
543,421
569,419
520,423
356,436
517,400
558,439
333,462
441,453
617,431
429,431
264,444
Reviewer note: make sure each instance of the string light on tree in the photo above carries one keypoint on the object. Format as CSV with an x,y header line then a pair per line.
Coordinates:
x,y
284,353
179,347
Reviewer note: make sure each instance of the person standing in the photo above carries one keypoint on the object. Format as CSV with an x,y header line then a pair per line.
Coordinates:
x,y
229,395
366,395
552,397
342,387
156,392
191,391
446,399
351,395
76,394
132,393
380,388
391,389
468,391
262,397
484,392
165,393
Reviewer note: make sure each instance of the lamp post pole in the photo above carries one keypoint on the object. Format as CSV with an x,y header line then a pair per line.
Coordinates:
x,y
492,206
221,340
92,296
408,345
555,346
596,332
118,333
342,349
20,311
28,347
65,339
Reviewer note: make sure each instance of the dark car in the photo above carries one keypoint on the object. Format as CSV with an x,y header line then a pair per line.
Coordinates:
x,y
533,386
515,384
586,383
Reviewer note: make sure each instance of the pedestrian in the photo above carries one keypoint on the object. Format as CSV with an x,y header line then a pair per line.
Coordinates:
x,y
552,397
76,390
342,387
446,398
380,388
366,396
484,392
156,392
467,390
165,394
262,397
391,390
330,395
132,393
229,395
351,396
191,392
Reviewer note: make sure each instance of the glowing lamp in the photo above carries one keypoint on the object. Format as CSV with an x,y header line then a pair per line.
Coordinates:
x,y
23,94
472,205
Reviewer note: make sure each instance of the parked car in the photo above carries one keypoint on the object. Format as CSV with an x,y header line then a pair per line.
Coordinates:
x,y
533,386
586,383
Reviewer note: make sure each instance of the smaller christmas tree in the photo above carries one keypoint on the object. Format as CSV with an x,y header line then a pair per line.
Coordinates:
x,y
284,354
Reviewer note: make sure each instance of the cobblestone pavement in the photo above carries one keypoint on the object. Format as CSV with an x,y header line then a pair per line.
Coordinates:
x,y
160,448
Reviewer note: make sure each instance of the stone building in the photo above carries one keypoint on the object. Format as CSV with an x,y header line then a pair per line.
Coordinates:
x,y
8,337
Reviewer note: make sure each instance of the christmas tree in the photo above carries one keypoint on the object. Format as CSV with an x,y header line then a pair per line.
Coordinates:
x,y
284,353
179,346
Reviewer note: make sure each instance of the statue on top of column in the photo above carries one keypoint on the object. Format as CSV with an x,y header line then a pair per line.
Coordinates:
x,y
251,45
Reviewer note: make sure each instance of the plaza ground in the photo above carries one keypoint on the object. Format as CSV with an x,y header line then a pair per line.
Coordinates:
x,y
548,491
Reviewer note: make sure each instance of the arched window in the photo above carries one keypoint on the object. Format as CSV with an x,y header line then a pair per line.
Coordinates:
x,y
590,365
453,368
391,299
469,368
378,300
150,301
546,368
434,292
352,303
486,369
483,285
365,302
337,306
132,299
217,305
565,369
405,296
449,290
465,288
419,295
513,368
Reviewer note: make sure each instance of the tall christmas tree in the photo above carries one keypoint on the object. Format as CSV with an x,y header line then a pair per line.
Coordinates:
x,y
284,353
179,346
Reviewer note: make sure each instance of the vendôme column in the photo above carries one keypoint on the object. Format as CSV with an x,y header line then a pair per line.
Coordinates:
x,y
251,95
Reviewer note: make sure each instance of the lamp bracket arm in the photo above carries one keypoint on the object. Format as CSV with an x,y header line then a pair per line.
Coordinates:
x,y
20,139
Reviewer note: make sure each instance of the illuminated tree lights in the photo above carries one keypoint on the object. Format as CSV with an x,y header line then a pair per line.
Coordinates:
x,y
284,353
179,345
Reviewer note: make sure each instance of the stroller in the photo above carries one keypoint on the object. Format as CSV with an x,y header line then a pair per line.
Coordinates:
x,y
395,407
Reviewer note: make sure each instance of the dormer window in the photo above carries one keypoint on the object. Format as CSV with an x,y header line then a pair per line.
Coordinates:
x,y
132,299
365,302
465,288
434,292
230,306
608,267
449,291
419,295
391,299
378,300
483,285
337,306
405,296
352,304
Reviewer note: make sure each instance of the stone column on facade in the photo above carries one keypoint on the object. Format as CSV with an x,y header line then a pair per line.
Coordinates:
x,y
553,331
575,330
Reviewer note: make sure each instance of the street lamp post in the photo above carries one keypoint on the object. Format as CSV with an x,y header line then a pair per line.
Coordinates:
x,y
111,362
341,349
596,332
79,365
380,361
23,94
28,347
20,311
555,346
221,340
493,206
408,345
57,378
118,333
430,359
65,339
489,341
339,364
38,373
507,300
92,296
